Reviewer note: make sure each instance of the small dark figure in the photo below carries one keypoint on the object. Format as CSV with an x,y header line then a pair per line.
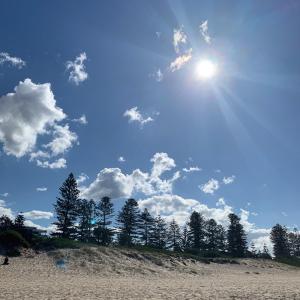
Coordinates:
x,y
6,261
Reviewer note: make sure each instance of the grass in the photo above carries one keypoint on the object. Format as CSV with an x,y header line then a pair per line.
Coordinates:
x,y
291,261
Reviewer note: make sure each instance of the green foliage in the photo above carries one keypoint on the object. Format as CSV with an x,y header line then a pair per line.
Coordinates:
x,y
86,214
158,238
292,261
52,243
279,238
11,239
196,232
146,226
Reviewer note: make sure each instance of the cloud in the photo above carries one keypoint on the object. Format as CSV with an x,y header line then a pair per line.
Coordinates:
x,y
77,69
37,215
49,229
60,163
82,178
228,180
63,140
41,189
5,210
192,169
14,61
26,114
179,37
4,194
180,61
158,75
121,159
284,214
210,187
114,183
82,120
261,241
204,31
221,202
134,115
174,206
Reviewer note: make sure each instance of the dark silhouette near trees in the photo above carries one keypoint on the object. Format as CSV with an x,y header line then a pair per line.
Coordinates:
x,y
19,222
174,236
86,215
5,262
104,213
159,234
279,238
66,208
146,227
5,223
129,224
215,238
196,226
236,237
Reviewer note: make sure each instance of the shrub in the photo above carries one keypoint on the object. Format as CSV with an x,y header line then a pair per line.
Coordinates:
x,y
11,240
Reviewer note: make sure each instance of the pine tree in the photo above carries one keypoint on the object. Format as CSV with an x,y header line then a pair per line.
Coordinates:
x,y
5,223
86,215
174,236
184,240
215,237
128,220
196,231
66,208
104,212
159,235
279,238
19,222
236,237
146,226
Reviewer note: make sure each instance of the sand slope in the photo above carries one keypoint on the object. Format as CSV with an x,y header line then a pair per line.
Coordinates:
x,y
99,273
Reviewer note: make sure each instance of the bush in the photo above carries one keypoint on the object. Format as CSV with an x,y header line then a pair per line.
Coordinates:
x,y
56,243
11,240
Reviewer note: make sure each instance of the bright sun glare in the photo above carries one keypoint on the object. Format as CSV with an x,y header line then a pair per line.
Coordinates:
x,y
206,69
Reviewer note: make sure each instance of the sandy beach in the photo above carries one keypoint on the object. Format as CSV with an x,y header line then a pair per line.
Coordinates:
x,y
97,273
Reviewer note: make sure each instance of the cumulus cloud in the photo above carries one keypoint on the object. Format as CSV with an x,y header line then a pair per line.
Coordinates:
x,y
121,159
228,180
204,32
134,115
191,169
5,210
77,69
41,189
82,178
180,61
114,183
25,114
60,163
63,140
14,61
179,37
38,214
82,120
210,187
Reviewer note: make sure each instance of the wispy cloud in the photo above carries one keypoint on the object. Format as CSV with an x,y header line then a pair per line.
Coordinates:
x,y
82,120
180,61
4,194
60,163
82,178
204,31
14,61
41,189
228,180
134,115
38,214
179,37
77,69
210,187
191,169
121,159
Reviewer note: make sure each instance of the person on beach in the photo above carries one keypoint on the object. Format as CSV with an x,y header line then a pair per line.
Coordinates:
x,y
5,261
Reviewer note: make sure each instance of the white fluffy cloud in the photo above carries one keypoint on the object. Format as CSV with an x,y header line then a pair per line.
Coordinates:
x,y
14,61
179,37
114,183
210,187
191,169
204,32
77,69
37,215
25,114
82,120
82,178
134,115
228,180
4,194
5,210
180,61
29,113
121,159
41,189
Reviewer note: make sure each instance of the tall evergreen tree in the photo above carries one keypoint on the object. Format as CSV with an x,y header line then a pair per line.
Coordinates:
x,y
104,212
294,242
19,222
196,231
174,236
146,226
5,223
159,234
66,208
86,215
279,238
236,237
184,240
215,237
128,220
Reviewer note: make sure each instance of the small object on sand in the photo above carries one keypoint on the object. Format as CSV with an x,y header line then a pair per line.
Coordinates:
x,y
5,261
61,264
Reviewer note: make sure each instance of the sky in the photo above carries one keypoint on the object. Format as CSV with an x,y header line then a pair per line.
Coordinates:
x,y
182,105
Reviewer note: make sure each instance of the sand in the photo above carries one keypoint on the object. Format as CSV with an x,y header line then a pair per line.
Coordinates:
x,y
99,273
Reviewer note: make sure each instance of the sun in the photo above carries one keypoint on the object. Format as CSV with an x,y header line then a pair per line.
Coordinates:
x,y
206,69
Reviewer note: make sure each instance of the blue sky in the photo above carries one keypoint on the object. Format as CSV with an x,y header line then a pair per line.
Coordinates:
x,y
130,68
